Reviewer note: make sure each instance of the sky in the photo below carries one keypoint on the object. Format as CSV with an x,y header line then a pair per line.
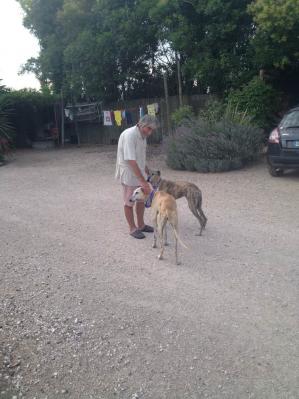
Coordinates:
x,y
17,44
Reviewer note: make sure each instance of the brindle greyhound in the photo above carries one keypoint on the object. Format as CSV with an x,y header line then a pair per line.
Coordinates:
x,y
164,210
178,190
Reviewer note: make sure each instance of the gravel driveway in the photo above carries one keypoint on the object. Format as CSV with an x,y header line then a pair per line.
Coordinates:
x,y
89,312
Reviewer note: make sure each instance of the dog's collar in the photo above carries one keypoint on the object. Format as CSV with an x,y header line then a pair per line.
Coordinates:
x,y
148,202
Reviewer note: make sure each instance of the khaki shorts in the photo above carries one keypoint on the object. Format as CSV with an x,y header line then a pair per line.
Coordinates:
x,y
127,193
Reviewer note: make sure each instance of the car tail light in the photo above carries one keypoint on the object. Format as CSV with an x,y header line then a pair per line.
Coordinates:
x,y
274,136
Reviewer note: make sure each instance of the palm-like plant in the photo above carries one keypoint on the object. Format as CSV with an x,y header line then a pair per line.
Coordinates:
x,y
6,128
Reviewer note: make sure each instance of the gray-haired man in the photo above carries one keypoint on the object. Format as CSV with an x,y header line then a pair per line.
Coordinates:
x,y
131,170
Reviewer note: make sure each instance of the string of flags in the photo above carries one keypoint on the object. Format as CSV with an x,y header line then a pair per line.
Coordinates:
x,y
119,117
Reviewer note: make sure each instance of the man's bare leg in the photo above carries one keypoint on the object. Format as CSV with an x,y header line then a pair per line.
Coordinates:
x,y
140,214
130,218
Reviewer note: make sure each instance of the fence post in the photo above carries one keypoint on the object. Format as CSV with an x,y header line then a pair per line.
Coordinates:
x,y
167,102
62,120
178,63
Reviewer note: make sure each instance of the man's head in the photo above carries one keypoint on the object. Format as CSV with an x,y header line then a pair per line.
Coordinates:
x,y
147,124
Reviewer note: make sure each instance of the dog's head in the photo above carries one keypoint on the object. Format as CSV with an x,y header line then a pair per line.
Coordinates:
x,y
138,195
154,177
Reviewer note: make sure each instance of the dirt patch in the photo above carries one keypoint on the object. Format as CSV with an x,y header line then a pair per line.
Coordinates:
x,y
89,312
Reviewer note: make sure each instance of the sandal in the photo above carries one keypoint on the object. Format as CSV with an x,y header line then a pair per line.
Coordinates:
x,y
147,229
137,234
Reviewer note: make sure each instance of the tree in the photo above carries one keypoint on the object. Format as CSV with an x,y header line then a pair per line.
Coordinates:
x,y
119,49
94,47
277,31
276,43
212,38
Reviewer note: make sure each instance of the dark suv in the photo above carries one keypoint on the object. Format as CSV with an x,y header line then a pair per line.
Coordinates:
x,y
283,144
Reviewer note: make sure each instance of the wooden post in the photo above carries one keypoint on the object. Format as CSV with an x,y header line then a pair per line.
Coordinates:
x,y
167,102
178,63
62,120
76,128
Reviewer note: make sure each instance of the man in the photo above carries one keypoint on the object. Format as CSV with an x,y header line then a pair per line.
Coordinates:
x,y
131,170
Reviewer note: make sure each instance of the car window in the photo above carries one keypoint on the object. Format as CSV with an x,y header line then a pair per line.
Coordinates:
x,y
290,120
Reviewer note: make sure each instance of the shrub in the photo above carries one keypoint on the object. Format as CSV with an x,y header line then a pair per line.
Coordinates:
x,y
31,110
6,130
213,110
209,145
182,114
260,100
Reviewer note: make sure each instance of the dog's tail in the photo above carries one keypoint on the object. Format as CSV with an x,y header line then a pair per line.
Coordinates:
x,y
177,237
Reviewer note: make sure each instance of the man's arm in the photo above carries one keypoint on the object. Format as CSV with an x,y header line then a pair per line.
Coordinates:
x,y
144,184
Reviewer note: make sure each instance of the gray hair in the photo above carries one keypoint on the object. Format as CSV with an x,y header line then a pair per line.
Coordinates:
x,y
148,121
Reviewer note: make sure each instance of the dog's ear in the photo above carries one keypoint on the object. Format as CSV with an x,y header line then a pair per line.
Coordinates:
x,y
158,173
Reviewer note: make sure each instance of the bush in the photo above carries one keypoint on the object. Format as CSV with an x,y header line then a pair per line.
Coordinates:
x,y
30,111
260,100
209,145
6,130
213,110
181,115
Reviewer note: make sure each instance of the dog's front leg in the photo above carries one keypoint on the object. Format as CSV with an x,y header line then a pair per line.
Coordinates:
x,y
176,252
155,231
155,237
160,256
161,227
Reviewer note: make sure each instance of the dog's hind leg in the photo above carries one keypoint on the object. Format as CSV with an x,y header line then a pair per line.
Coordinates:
x,y
203,217
165,235
174,226
195,212
194,202
161,226
176,252
155,230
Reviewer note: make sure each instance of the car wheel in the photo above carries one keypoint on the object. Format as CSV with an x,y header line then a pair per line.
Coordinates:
x,y
276,172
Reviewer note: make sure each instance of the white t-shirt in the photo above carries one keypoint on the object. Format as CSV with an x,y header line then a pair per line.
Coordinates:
x,y
131,146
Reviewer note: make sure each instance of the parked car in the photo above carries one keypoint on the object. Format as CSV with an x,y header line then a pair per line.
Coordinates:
x,y
283,144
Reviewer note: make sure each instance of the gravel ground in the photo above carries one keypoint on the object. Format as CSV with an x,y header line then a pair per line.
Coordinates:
x,y
89,312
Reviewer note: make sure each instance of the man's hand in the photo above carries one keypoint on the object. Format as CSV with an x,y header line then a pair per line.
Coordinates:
x,y
143,183
146,188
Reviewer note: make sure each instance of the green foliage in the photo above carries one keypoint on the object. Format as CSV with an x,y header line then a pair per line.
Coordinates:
x,y
277,31
116,49
94,48
213,39
216,110
182,114
259,100
213,110
6,128
26,111
210,145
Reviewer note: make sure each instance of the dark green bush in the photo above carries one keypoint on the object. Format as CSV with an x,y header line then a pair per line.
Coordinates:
x,y
208,145
30,111
213,110
6,128
260,100
182,114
